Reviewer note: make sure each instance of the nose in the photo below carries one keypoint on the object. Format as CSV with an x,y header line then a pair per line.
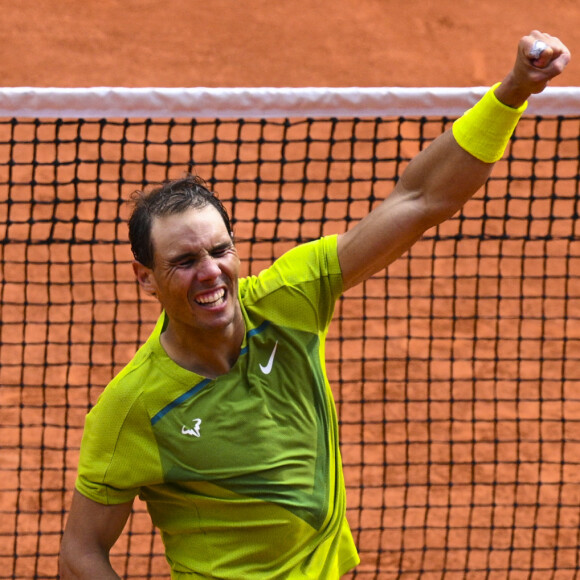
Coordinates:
x,y
208,268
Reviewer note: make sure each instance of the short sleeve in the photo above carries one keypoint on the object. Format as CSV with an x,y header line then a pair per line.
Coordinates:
x,y
119,453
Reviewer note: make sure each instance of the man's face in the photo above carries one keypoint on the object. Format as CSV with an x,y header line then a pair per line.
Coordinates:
x,y
195,272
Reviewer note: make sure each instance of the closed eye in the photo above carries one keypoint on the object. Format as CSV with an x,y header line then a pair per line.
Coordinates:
x,y
222,250
189,260
185,263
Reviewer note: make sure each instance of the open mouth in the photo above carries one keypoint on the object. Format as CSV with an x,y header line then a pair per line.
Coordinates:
x,y
215,298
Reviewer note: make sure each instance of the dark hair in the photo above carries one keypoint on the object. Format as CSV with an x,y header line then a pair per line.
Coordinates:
x,y
168,198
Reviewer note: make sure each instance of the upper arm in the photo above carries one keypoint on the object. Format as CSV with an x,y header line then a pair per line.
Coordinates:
x,y
381,237
435,185
91,530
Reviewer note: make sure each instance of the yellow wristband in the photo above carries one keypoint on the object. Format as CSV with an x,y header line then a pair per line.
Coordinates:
x,y
484,130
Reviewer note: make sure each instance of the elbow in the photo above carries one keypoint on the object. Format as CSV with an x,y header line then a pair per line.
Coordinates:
x,y
70,560
66,568
438,208
75,562
430,212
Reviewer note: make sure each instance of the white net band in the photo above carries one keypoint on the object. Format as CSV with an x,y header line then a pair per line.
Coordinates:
x,y
100,102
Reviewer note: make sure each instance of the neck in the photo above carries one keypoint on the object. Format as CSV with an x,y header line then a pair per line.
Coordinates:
x,y
210,357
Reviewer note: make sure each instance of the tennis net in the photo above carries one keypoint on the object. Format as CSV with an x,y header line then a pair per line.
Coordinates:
x,y
456,372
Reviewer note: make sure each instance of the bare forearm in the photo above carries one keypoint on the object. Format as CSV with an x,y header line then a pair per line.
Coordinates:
x,y
91,531
445,177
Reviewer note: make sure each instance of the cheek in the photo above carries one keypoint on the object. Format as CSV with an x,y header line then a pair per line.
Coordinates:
x,y
232,268
175,283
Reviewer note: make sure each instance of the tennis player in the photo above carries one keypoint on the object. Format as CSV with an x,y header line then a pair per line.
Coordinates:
x,y
223,422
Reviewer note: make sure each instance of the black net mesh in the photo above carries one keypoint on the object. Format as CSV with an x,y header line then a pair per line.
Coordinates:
x,y
455,373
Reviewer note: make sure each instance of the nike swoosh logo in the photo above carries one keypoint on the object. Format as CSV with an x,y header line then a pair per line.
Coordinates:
x,y
268,368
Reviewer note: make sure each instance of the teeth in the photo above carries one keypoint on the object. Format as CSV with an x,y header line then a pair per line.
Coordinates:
x,y
211,297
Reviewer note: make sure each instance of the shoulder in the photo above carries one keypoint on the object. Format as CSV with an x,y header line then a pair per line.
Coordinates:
x,y
312,259
299,288
308,262
122,395
127,387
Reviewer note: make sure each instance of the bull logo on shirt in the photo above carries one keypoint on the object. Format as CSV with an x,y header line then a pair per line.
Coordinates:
x,y
195,431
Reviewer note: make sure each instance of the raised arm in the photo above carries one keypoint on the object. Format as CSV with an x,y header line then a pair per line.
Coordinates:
x,y
90,533
440,179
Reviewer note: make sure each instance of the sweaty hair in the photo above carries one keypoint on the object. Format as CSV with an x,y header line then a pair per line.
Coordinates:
x,y
168,198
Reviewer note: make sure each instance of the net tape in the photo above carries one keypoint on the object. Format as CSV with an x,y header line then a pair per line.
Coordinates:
x,y
262,102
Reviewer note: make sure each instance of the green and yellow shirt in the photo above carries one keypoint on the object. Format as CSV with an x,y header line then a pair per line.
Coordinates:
x,y
242,474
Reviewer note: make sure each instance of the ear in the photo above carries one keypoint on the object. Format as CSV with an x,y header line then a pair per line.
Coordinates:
x,y
145,277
